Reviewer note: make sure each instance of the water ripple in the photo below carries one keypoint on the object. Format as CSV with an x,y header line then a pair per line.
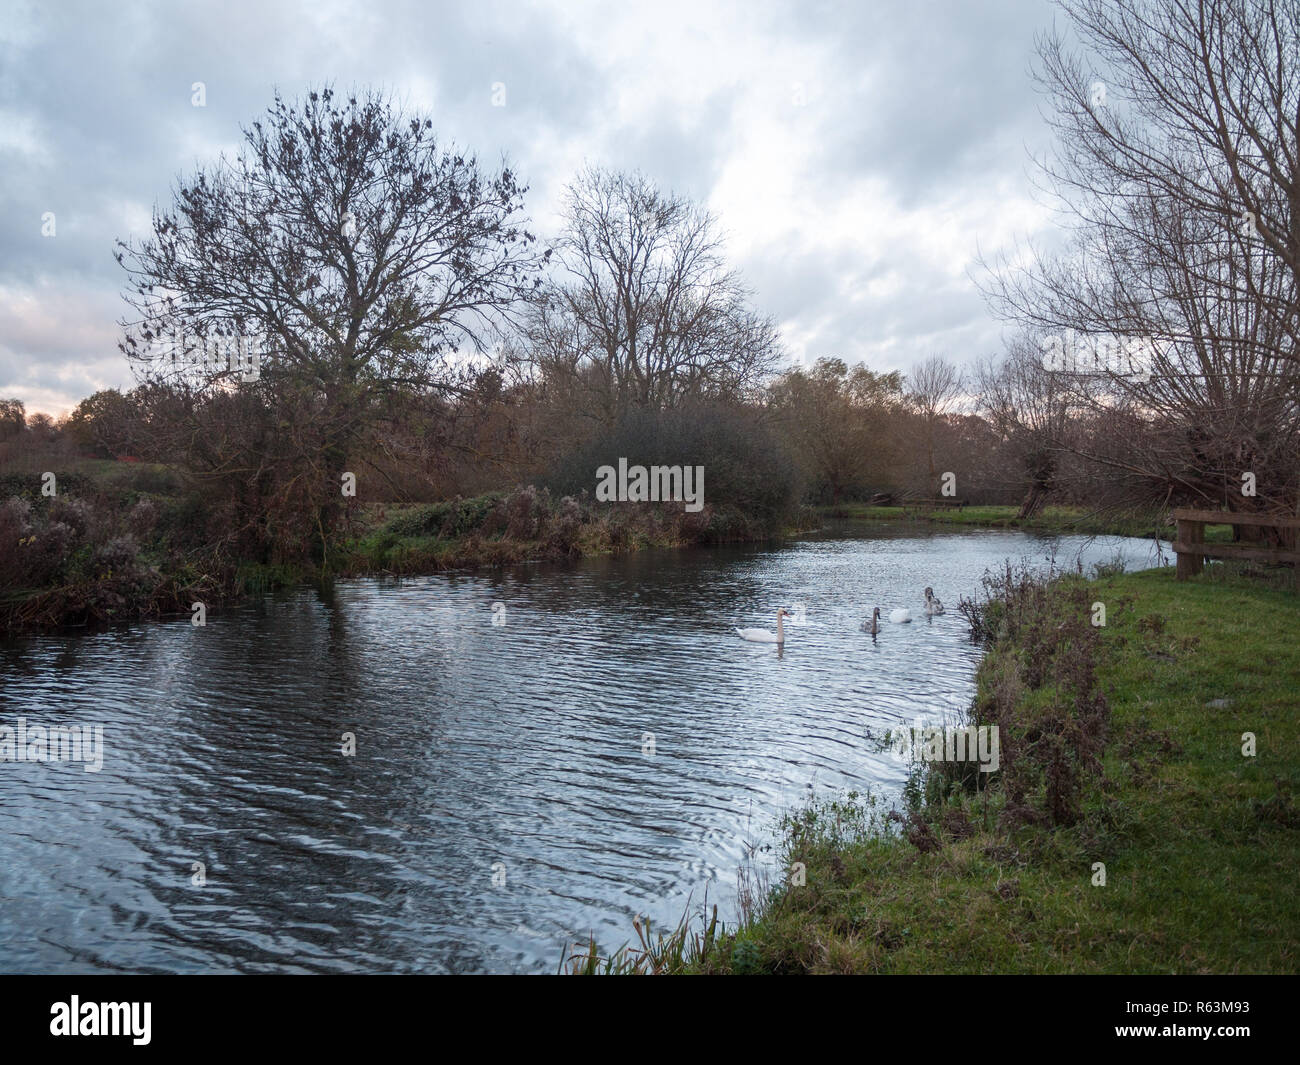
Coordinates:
x,y
613,749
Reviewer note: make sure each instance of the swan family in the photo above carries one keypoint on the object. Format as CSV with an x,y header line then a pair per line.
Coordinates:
x,y
897,616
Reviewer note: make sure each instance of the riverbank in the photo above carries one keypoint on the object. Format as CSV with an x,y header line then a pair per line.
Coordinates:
x,y
127,542
1144,818
530,525
1053,519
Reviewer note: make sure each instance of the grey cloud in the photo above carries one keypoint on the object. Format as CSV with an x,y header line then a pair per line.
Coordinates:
x,y
938,92
930,99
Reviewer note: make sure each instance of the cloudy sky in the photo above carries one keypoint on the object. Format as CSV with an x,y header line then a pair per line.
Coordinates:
x,y
858,154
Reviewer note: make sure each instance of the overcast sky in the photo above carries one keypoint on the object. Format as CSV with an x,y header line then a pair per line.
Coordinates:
x,y
858,155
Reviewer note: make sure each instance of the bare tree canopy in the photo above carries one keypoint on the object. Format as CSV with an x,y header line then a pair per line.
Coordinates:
x,y
344,232
1028,409
644,312
933,388
1177,142
1177,165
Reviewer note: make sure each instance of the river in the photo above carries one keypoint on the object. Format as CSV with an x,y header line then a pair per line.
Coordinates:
x,y
541,752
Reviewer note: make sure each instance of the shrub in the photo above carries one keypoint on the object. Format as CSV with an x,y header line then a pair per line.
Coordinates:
x,y
750,483
143,517
524,513
74,560
1038,684
448,521
565,526
148,478
28,485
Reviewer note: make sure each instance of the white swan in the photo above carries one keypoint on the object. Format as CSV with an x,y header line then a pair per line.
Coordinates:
x,y
762,635
872,624
901,616
932,605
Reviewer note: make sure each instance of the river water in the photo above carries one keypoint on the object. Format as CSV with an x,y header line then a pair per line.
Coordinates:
x,y
541,753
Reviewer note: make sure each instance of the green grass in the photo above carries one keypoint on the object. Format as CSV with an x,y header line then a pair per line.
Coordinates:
x,y
1201,844
126,481
1058,519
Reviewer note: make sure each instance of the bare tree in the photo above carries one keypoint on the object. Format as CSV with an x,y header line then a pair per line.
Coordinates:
x,y
366,250
1177,160
933,388
370,257
1185,108
644,313
1029,410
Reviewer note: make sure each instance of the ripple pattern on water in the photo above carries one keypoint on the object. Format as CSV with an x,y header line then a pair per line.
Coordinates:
x,y
519,751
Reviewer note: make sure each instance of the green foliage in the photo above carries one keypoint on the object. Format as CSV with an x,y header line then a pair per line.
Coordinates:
x,y
655,954
444,520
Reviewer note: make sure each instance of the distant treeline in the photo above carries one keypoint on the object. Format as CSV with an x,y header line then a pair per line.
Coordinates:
x,y
422,342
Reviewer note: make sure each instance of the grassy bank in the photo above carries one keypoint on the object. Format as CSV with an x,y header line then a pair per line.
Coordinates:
x,y
1053,519
1121,745
129,541
530,525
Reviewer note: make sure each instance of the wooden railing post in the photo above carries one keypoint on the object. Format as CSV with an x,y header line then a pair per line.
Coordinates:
x,y
1189,565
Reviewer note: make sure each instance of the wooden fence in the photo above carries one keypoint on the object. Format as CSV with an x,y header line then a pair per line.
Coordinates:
x,y
1192,550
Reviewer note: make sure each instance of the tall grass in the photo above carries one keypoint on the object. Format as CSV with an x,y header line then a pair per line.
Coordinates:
x,y
654,954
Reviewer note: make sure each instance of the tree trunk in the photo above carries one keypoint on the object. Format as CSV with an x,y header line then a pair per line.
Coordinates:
x,y
1033,500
